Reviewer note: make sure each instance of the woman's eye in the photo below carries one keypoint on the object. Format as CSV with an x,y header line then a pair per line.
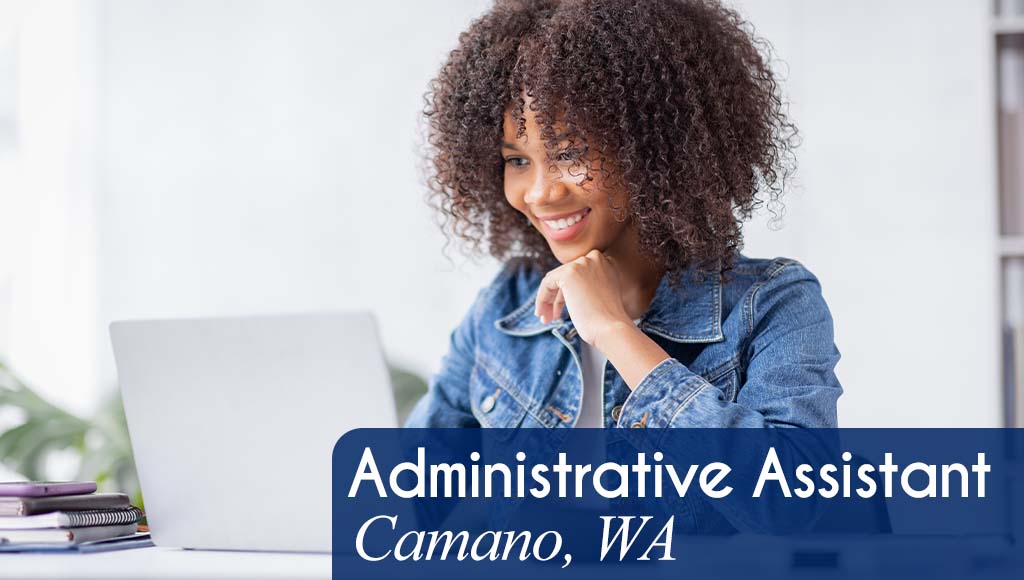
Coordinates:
x,y
568,156
515,161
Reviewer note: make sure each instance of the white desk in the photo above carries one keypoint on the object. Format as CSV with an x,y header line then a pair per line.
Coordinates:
x,y
889,557
166,563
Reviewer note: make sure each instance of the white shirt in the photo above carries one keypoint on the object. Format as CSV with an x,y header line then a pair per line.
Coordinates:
x,y
592,407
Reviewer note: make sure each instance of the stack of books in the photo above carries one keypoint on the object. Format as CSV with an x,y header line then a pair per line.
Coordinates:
x,y
67,519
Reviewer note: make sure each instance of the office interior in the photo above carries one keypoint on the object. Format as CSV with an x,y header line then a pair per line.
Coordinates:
x,y
196,158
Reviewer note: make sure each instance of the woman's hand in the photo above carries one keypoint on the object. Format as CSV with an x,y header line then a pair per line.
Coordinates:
x,y
589,286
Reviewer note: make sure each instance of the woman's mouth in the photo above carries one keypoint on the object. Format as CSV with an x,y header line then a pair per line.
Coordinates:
x,y
564,227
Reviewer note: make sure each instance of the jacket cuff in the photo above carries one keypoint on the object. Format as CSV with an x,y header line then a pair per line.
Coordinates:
x,y
661,396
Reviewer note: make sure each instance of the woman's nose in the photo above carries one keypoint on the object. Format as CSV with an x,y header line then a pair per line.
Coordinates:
x,y
546,189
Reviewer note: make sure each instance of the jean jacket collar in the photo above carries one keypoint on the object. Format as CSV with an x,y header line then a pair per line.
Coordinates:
x,y
689,313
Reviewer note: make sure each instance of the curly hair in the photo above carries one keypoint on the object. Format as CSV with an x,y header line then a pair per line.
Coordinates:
x,y
675,95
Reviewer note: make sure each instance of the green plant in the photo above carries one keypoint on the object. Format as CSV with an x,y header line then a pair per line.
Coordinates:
x,y
408,388
100,442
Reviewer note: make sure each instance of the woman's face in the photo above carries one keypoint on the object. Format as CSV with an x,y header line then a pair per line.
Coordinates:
x,y
574,219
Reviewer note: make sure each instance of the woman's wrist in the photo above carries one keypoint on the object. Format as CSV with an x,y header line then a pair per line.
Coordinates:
x,y
611,334
631,352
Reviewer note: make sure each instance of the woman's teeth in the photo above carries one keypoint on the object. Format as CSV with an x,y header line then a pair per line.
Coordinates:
x,y
561,224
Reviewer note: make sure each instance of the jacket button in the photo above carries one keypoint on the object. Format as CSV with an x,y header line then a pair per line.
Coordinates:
x,y
641,423
616,413
487,405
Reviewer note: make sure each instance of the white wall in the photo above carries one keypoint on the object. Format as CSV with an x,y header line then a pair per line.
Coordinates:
x,y
47,204
896,207
258,157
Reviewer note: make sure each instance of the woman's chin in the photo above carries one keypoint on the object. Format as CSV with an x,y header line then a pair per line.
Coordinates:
x,y
566,253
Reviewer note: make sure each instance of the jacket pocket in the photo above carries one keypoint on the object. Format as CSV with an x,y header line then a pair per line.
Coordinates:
x,y
492,396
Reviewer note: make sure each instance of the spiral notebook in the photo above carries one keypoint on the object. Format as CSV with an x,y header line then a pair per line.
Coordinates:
x,y
26,506
72,519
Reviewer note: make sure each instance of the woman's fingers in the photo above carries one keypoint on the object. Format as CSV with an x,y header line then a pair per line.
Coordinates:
x,y
551,294
558,305
546,295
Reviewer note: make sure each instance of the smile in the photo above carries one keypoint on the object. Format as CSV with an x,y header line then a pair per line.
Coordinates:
x,y
565,226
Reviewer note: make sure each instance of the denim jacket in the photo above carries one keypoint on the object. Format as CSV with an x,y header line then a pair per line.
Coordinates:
x,y
756,350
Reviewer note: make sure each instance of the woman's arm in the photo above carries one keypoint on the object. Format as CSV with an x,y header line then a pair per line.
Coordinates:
x,y
789,359
633,354
790,354
790,372
446,403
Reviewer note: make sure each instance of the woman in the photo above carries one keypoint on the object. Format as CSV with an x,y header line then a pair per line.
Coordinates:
x,y
609,151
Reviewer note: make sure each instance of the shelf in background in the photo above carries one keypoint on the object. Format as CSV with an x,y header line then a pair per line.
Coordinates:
x,y
1011,246
1013,25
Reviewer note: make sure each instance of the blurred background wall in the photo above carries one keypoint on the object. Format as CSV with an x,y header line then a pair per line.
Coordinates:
x,y
221,157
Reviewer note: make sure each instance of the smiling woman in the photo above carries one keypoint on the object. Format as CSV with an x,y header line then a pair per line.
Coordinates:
x,y
567,212
609,151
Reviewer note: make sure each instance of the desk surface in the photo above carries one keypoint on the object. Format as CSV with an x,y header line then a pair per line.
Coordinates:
x,y
892,556
166,563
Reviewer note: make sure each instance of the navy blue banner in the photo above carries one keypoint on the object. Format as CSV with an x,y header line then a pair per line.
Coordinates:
x,y
591,503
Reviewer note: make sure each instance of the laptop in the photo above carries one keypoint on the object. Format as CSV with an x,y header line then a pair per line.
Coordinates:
x,y
233,422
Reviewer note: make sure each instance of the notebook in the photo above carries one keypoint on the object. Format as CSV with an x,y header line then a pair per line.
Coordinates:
x,y
136,540
72,519
66,536
26,506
